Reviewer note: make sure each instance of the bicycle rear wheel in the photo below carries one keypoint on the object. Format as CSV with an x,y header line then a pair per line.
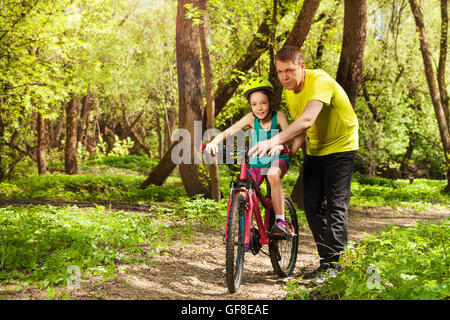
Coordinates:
x,y
235,243
283,253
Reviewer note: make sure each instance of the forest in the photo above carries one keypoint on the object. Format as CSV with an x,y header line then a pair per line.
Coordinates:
x,y
93,95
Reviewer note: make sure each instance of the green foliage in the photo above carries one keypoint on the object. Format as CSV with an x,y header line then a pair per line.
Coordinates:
x,y
397,264
39,243
206,211
90,188
140,164
422,194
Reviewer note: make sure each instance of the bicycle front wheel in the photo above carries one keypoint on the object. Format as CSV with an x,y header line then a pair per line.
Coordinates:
x,y
235,243
283,253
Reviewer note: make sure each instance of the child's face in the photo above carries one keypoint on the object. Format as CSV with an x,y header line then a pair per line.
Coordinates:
x,y
259,102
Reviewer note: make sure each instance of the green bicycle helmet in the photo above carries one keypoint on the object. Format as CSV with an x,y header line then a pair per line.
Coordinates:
x,y
257,84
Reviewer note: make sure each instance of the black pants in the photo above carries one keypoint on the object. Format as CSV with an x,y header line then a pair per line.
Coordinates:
x,y
326,182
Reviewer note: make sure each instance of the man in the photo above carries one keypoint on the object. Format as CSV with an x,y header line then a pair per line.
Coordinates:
x,y
324,115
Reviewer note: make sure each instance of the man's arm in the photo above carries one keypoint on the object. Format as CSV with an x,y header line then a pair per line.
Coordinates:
x,y
299,126
297,142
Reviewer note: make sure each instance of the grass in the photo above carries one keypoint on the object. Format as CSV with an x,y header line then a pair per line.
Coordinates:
x,y
39,243
410,263
89,187
420,195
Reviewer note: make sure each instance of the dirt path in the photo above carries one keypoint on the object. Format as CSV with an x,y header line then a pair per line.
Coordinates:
x,y
197,270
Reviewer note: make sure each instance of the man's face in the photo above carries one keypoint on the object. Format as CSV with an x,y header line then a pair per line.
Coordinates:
x,y
290,74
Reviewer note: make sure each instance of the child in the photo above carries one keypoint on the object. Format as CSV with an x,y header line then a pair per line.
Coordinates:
x,y
264,121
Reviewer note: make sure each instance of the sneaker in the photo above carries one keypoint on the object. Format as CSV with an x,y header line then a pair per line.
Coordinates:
x,y
313,274
326,271
282,228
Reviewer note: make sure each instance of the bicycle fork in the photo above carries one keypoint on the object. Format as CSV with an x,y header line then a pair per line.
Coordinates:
x,y
251,204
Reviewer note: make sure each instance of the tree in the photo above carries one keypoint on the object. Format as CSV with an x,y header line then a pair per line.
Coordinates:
x,y
41,145
351,63
70,149
210,118
439,99
190,94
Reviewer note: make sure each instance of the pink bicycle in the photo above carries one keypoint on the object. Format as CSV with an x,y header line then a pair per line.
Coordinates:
x,y
242,235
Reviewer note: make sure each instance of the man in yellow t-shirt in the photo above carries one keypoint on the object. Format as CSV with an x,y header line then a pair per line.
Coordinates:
x,y
325,117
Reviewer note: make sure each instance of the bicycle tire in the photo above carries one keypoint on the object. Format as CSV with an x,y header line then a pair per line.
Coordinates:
x,y
283,253
235,243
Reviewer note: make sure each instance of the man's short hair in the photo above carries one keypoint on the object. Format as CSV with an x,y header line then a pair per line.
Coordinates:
x,y
290,53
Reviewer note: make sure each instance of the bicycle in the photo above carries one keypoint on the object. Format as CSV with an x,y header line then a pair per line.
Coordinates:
x,y
243,206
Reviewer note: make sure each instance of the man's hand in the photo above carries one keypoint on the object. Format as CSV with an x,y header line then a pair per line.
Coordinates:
x,y
275,150
260,149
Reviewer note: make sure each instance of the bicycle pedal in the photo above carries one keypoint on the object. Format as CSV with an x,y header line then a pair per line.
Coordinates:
x,y
278,236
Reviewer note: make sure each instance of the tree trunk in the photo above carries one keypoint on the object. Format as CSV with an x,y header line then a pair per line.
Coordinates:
x,y
58,129
303,23
329,23
70,151
160,173
169,125
351,63
443,60
2,144
158,132
404,172
443,121
40,153
210,119
190,95
83,124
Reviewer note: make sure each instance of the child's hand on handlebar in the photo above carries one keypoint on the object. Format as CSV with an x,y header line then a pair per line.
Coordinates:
x,y
212,148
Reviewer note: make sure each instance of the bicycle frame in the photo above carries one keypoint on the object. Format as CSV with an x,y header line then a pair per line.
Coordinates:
x,y
252,193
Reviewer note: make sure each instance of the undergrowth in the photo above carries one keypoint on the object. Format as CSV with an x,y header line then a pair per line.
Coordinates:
x,y
39,243
405,263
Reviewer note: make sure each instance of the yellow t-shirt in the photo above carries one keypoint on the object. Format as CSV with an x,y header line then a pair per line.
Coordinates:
x,y
336,127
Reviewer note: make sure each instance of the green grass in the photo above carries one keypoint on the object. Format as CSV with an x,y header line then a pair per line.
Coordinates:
x,y
420,195
89,187
139,164
39,243
396,264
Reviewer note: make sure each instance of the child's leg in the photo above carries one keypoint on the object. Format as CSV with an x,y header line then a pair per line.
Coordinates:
x,y
276,172
274,177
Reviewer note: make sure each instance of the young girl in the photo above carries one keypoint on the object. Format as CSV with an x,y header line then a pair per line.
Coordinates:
x,y
265,122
